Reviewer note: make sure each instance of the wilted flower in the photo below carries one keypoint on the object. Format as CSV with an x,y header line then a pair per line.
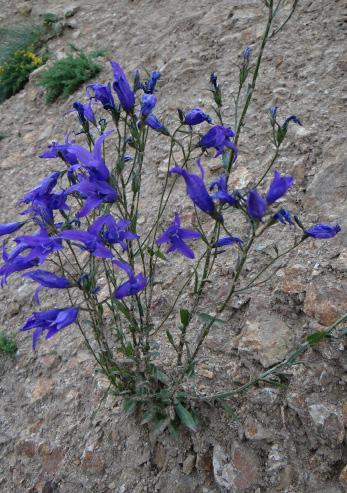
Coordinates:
x,y
278,187
256,205
103,94
323,231
246,54
196,116
121,86
133,286
149,85
148,102
196,188
219,138
51,320
175,235
228,240
85,112
293,119
153,122
283,216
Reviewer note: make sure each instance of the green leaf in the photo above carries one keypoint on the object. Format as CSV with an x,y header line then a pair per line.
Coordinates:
x,y
129,406
148,416
185,417
205,317
185,317
162,377
170,337
226,159
316,337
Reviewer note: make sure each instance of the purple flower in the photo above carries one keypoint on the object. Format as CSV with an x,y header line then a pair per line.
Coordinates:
x,y
45,187
51,320
121,86
56,150
214,81
148,102
16,264
323,230
228,240
256,205
133,286
90,242
222,194
47,280
283,216
278,187
196,188
219,138
103,94
176,236
85,112
153,122
40,244
293,119
6,229
196,116
91,161
246,54
149,85
112,231
95,192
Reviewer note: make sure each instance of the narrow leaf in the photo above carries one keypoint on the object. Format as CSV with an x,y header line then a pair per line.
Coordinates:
x,y
185,417
205,317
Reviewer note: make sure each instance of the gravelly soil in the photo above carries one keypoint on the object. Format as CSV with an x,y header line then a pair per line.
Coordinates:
x,y
289,440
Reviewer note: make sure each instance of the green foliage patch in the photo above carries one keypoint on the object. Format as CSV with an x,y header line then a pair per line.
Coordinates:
x,y
66,75
7,344
19,48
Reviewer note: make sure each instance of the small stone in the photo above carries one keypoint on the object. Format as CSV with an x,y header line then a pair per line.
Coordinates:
x,y
72,24
70,11
343,478
91,461
328,420
188,464
293,279
268,339
46,133
51,457
24,8
325,301
237,472
42,388
206,373
254,430
26,448
239,178
344,413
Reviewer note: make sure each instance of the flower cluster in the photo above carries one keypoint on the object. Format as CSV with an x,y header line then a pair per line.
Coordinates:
x,y
85,208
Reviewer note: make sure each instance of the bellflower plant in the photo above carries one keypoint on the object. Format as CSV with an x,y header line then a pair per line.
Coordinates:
x,y
111,265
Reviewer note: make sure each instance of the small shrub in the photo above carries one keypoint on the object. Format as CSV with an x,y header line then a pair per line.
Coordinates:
x,y
66,75
7,344
19,56
15,72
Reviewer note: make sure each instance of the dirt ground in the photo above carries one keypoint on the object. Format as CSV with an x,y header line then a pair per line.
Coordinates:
x,y
57,433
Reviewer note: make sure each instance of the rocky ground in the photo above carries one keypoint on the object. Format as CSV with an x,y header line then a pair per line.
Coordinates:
x,y
57,433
